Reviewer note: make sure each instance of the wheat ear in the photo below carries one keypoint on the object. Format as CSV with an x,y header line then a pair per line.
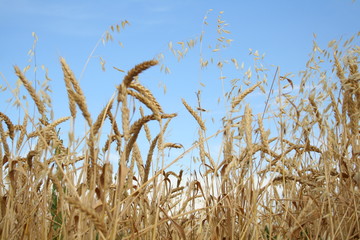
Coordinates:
x,y
263,135
22,133
149,159
248,129
194,114
100,119
150,104
135,129
8,124
239,98
49,127
88,212
70,92
39,104
77,96
3,140
146,127
137,70
147,94
122,93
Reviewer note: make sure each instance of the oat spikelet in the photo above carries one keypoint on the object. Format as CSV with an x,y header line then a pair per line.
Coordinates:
x,y
8,124
239,98
39,104
194,114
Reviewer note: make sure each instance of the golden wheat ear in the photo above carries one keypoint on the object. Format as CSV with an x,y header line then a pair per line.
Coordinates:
x,y
75,93
9,124
39,104
123,92
130,76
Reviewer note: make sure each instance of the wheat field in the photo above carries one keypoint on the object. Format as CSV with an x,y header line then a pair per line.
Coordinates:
x,y
303,183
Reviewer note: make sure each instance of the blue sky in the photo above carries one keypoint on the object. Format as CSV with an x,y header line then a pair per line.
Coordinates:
x,y
283,30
